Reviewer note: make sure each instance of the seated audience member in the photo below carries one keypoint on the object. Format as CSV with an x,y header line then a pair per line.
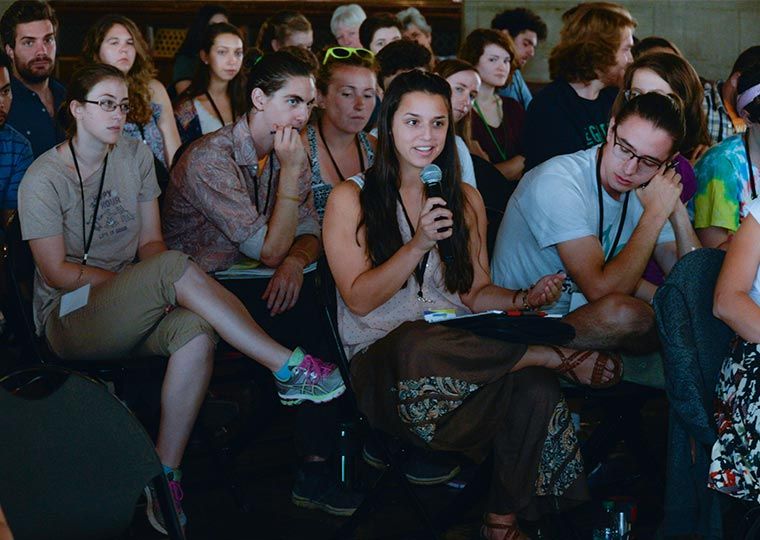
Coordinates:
x,y
378,30
336,145
586,66
285,29
474,167
216,97
345,23
598,215
245,190
526,29
727,174
404,55
380,239
670,75
186,59
164,304
723,118
115,40
15,150
416,28
654,44
737,299
464,81
497,122
28,31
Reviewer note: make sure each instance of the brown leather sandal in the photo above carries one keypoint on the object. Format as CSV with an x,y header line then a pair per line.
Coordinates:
x,y
511,532
568,364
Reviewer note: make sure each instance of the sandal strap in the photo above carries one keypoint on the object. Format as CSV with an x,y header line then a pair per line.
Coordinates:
x,y
569,363
511,531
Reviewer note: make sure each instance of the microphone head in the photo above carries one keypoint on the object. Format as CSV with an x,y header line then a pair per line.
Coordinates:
x,y
431,174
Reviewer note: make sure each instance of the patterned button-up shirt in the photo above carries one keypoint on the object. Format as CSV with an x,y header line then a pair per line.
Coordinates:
x,y
217,198
719,122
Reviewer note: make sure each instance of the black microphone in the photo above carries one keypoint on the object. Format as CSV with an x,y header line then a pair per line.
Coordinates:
x,y
431,176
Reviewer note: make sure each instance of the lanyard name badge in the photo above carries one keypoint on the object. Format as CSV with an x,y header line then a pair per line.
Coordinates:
x,y
577,299
78,298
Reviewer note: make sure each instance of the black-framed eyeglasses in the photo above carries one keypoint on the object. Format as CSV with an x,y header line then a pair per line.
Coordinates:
x,y
646,164
109,105
341,53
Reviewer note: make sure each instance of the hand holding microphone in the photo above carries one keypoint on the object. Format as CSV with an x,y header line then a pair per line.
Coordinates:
x,y
431,175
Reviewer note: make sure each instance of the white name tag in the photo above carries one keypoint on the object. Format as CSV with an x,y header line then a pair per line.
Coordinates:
x,y
577,300
72,301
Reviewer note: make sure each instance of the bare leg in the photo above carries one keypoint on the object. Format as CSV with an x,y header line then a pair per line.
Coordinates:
x,y
185,383
615,322
203,295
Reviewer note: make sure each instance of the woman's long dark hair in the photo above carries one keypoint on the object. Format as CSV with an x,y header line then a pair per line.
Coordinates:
x,y
200,82
380,195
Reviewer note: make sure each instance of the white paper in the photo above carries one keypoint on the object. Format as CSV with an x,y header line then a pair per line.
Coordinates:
x,y
72,301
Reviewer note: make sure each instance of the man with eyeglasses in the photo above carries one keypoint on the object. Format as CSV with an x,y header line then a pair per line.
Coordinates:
x,y
28,30
598,215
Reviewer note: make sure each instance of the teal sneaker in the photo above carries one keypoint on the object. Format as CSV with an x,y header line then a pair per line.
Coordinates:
x,y
153,508
311,380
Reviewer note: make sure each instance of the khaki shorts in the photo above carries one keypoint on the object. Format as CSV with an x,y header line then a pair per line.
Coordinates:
x,y
127,315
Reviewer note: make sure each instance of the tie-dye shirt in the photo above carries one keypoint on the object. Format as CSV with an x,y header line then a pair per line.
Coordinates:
x,y
723,187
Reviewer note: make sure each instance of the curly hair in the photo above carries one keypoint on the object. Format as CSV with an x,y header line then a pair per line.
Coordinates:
x,y
684,81
476,42
589,42
519,20
139,75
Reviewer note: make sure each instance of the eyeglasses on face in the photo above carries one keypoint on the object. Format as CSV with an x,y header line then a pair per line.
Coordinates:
x,y
109,105
646,164
341,53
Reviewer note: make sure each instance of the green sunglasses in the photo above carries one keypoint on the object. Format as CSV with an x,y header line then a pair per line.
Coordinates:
x,y
341,53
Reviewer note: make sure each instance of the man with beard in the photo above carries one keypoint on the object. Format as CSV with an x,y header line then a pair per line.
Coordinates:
x,y
28,30
526,29
587,66
15,150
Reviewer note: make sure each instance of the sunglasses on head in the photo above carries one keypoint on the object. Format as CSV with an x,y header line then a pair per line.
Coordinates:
x,y
341,53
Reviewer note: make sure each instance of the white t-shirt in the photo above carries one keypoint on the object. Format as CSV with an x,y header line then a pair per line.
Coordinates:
x,y
754,209
555,202
465,163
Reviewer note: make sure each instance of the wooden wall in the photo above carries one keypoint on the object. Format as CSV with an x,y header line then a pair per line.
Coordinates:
x,y
77,16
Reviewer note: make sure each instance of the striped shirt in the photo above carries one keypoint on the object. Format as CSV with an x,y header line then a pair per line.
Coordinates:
x,y
15,158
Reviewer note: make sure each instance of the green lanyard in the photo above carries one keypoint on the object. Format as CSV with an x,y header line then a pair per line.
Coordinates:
x,y
502,153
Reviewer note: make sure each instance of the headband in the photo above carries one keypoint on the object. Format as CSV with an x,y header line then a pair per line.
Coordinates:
x,y
747,97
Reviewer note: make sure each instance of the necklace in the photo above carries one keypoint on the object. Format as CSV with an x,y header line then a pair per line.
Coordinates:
x,y
341,176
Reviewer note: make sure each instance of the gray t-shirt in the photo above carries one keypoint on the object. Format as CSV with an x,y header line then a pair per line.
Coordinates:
x,y
555,202
50,204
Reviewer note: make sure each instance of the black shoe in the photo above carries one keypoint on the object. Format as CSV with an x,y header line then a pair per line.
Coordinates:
x,y
420,467
317,487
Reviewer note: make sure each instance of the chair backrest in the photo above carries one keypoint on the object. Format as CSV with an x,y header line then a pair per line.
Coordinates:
x,y
19,276
74,459
694,342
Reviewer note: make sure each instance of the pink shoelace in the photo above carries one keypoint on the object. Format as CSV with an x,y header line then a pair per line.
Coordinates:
x,y
176,491
312,364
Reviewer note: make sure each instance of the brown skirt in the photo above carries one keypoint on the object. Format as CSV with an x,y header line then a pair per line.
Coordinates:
x,y
448,389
